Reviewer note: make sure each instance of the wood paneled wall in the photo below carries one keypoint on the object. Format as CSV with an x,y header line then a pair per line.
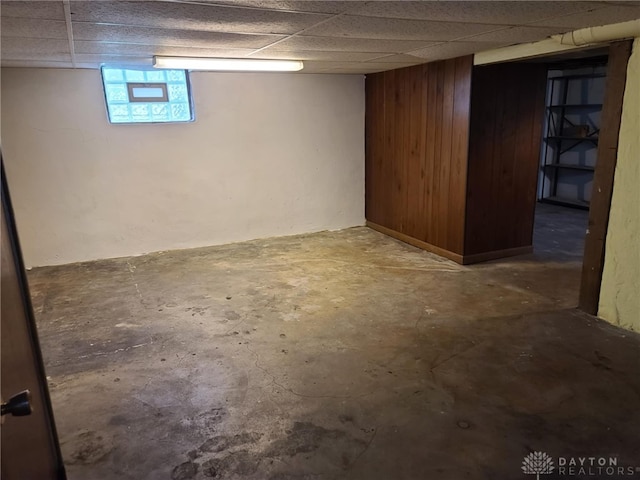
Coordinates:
x,y
452,155
417,131
507,113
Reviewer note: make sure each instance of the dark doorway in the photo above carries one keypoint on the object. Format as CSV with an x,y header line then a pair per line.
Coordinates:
x,y
578,160
572,123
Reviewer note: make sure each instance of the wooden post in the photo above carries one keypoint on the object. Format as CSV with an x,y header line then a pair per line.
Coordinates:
x,y
594,248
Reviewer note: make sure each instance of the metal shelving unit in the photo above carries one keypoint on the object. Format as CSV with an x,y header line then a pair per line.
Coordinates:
x,y
563,135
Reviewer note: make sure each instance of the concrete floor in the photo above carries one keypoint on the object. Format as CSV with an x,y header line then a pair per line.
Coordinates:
x,y
337,355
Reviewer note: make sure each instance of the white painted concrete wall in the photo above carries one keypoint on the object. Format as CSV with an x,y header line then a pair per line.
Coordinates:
x,y
620,291
268,155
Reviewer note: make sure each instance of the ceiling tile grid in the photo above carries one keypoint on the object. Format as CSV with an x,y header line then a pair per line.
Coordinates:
x,y
349,36
397,29
193,16
35,49
308,42
319,55
501,13
159,36
45,10
451,50
308,6
33,28
613,13
115,49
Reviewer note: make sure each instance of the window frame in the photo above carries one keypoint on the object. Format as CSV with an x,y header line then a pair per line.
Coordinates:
x,y
153,100
133,85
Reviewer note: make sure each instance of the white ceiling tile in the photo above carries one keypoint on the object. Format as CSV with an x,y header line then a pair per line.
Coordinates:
x,y
318,55
343,44
622,12
35,64
452,50
35,49
94,61
313,67
319,67
311,6
189,16
513,35
396,29
33,28
106,48
160,36
490,12
401,58
352,68
33,9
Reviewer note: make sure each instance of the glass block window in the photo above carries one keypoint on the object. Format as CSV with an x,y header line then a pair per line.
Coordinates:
x,y
147,96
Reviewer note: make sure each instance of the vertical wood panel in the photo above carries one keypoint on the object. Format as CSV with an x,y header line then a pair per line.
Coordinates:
x,y
417,130
446,133
413,166
436,212
372,116
386,164
507,108
459,156
529,179
480,174
430,156
421,192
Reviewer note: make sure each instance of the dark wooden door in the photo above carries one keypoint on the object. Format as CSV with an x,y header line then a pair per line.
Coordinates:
x,y
30,449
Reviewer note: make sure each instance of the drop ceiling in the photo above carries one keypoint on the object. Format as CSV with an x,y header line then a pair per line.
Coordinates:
x,y
330,36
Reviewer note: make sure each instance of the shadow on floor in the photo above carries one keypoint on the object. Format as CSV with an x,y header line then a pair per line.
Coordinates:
x,y
559,232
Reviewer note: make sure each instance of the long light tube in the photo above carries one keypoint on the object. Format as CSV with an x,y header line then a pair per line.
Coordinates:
x,y
227,64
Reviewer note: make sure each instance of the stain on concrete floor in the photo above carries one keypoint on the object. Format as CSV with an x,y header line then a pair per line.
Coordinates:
x,y
337,355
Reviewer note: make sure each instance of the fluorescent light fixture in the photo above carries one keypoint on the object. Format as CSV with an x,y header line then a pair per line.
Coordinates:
x,y
227,64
